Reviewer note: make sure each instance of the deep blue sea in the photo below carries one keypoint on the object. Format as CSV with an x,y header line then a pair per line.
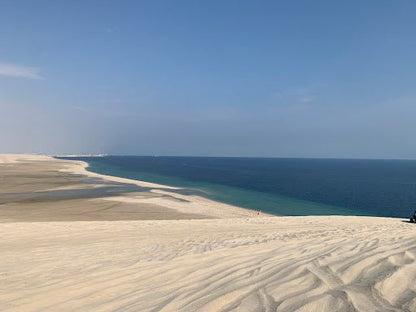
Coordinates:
x,y
283,186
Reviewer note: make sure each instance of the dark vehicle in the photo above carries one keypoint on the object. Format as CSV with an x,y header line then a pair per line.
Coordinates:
x,y
413,218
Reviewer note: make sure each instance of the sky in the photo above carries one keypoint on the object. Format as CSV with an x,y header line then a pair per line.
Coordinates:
x,y
209,78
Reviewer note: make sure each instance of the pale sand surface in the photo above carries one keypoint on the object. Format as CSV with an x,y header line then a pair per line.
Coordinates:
x,y
316,263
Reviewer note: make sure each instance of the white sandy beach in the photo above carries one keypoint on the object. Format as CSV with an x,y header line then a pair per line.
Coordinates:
x,y
207,257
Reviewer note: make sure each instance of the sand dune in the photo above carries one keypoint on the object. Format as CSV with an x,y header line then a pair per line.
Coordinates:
x,y
265,264
320,263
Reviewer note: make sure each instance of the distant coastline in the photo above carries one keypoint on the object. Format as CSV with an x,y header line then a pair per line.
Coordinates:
x,y
200,204
336,187
77,155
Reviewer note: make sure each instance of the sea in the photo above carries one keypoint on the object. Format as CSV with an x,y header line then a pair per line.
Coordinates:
x,y
280,186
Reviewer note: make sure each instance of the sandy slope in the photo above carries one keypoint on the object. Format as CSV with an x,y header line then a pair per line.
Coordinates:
x,y
265,264
234,264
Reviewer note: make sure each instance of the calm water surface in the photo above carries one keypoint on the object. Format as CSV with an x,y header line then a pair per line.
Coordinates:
x,y
278,185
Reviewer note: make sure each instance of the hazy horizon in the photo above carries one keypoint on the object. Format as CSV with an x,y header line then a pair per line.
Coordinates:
x,y
294,79
86,155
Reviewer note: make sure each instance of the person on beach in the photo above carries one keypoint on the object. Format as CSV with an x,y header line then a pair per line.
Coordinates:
x,y
413,218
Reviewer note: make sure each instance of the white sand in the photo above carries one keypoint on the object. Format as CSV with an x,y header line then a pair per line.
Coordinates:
x,y
235,264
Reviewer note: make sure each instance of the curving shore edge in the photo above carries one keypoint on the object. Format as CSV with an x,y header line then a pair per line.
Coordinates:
x,y
186,203
88,260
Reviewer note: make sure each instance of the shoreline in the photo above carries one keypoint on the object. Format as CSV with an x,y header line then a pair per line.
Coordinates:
x,y
44,188
257,191
81,167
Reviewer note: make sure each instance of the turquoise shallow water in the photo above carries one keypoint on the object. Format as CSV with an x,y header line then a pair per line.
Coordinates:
x,y
280,186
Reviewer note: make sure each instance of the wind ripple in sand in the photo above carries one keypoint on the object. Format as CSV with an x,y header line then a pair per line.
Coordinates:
x,y
265,264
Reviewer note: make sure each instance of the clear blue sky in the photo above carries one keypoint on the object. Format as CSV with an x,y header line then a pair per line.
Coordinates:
x,y
215,78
